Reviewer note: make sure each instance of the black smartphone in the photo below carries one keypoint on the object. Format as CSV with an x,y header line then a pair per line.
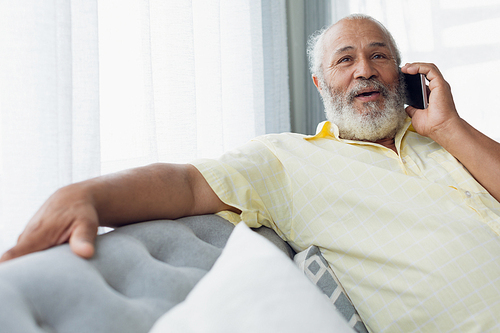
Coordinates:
x,y
416,91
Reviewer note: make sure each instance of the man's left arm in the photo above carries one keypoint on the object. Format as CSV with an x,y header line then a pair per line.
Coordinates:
x,y
441,122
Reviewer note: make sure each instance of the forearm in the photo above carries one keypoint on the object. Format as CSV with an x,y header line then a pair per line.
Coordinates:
x,y
477,152
158,191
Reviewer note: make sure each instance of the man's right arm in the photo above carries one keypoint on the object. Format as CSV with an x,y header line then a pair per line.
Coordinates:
x,y
441,122
157,191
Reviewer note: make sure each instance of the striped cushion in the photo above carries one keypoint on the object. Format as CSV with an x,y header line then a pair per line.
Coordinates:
x,y
316,268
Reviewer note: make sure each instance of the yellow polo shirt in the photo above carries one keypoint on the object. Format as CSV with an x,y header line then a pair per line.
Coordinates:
x,y
413,238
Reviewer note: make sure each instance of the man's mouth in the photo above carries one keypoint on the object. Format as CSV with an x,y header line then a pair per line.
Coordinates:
x,y
369,95
367,91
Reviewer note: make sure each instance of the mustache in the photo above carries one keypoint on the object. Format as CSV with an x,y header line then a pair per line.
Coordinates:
x,y
363,85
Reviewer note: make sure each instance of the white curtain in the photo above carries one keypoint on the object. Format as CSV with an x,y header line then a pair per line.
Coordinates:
x,y
89,87
49,104
208,75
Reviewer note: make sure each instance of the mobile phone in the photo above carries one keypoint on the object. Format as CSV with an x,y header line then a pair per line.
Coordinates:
x,y
416,91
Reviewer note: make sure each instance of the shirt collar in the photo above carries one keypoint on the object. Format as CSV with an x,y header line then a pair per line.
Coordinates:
x,y
328,130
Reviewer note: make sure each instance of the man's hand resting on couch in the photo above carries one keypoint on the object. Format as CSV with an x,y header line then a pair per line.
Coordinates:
x,y
73,213
68,215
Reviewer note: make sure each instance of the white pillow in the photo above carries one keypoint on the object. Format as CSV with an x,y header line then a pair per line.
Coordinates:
x,y
253,287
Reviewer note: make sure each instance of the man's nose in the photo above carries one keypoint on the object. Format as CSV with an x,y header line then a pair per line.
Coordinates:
x,y
365,69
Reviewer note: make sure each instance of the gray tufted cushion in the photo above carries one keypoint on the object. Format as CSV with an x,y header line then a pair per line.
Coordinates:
x,y
137,273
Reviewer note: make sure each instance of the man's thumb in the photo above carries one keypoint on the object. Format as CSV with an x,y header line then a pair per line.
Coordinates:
x,y
82,240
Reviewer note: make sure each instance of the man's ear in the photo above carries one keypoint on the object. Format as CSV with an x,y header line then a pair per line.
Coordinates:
x,y
316,82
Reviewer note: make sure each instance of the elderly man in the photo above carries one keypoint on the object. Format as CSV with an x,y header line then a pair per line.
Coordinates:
x,y
412,233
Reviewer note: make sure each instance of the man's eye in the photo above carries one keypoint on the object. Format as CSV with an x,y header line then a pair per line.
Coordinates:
x,y
379,56
345,59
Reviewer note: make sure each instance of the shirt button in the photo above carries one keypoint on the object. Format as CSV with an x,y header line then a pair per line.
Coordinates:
x,y
467,194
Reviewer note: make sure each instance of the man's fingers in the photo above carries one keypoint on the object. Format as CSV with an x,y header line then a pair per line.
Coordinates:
x,y
82,240
27,244
6,256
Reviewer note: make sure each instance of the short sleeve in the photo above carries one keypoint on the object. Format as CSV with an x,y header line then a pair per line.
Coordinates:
x,y
252,179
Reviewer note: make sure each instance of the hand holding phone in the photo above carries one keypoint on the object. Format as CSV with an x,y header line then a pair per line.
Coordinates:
x,y
416,91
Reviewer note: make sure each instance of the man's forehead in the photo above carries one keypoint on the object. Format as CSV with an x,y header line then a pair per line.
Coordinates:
x,y
346,35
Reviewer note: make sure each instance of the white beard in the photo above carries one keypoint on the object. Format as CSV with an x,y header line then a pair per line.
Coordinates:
x,y
377,121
